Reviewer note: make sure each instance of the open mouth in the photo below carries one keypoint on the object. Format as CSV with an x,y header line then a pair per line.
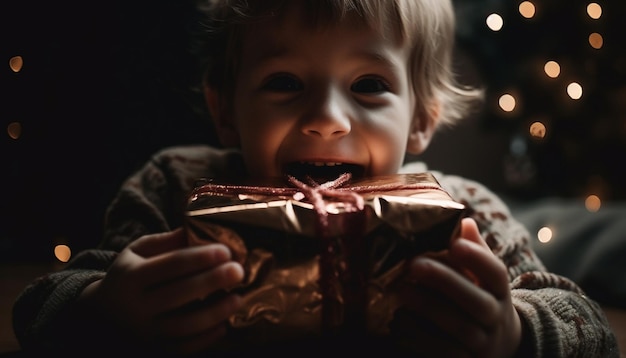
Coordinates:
x,y
322,171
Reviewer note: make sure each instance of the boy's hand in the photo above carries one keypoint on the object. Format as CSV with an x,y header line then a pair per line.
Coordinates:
x,y
459,305
153,289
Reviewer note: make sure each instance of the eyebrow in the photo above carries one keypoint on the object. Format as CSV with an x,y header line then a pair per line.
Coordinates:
x,y
377,58
369,56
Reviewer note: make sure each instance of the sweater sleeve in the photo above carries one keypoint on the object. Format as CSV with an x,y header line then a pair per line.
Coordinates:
x,y
561,319
41,313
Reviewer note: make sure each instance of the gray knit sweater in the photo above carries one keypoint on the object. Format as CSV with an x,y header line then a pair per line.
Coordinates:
x,y
562,320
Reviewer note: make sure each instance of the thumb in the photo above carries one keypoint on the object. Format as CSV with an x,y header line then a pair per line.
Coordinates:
x,y
470,231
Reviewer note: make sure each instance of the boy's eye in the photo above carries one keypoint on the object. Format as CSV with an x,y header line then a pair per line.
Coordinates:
x,y
369,85
283,83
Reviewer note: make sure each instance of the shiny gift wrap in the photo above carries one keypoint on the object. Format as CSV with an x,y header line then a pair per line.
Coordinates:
x,y
322,259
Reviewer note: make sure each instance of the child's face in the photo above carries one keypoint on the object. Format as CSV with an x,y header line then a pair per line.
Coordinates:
x,y
322,102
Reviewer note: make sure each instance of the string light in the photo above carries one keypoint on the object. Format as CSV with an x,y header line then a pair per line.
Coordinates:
x,y
14,129
495,22
593,203
575,90
544,235
507,103
16,63
596,41
527,9
594,10
538,130
62,253
552,69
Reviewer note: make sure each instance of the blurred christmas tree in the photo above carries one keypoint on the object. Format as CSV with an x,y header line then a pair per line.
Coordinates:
x,y
555,72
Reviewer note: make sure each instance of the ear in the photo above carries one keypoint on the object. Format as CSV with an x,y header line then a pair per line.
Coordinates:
x,y
225,129
422,129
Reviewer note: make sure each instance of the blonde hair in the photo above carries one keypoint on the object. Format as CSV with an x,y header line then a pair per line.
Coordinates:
x,y
426,26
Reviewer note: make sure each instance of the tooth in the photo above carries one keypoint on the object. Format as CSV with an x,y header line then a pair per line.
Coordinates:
x,y
321,164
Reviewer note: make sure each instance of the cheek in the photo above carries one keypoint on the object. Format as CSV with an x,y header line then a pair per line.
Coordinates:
x,y
388,152
261,138
259,156
264,134
387,141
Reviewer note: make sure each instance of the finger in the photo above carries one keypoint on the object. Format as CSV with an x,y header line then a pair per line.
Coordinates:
x,y
435,276
160,269
202,317
486,268
449,318
470,231
155,244
196,287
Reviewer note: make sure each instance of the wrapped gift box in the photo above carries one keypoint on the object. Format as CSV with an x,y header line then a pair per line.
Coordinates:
x,y
322,258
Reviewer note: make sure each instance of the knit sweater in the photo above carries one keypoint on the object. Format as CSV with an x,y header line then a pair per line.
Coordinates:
x,y
561,319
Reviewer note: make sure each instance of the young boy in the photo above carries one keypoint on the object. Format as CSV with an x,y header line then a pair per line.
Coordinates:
x,y
307,86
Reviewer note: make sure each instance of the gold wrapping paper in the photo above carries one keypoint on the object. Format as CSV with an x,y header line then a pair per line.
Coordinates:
x,y
329,266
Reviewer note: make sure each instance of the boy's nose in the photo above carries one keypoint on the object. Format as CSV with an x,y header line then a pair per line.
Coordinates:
x,y
327,118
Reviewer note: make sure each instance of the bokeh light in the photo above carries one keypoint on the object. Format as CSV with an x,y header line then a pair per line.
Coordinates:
x,y
544,234
527,9
593,203
507,103
16,63
575,90
596,40
594,10
518,146
14,129
495,22
538,130
552,69
62,253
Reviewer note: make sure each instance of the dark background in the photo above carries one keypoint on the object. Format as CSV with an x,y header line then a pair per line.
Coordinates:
x,y
103,87
99,91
